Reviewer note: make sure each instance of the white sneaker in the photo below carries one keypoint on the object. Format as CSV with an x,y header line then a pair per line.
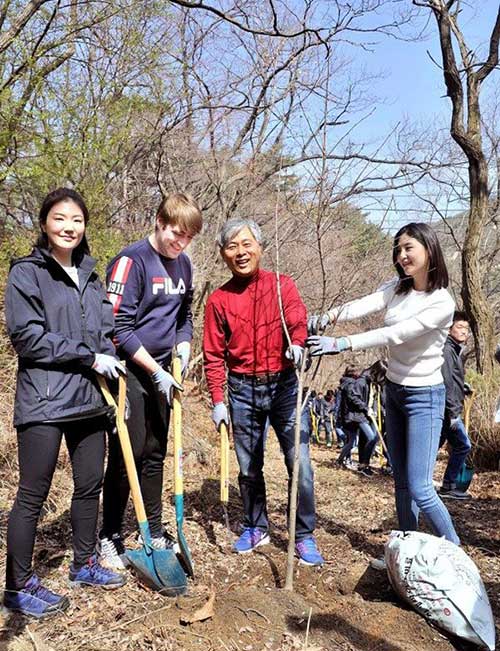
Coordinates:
x,y
378,564
111,553
162,542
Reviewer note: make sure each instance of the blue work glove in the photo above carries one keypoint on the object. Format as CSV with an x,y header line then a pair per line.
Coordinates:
x,y
220,415
184,352
165,383
317,323
327,345
108,366
294,353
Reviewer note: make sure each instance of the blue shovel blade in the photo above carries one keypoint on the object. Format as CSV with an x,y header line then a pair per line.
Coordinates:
x,y
157,568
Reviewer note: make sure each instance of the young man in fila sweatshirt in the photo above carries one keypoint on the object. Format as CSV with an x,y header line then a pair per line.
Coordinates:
x,y
150,284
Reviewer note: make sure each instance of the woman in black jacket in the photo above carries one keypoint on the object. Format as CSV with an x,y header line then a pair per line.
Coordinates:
x,y
60,324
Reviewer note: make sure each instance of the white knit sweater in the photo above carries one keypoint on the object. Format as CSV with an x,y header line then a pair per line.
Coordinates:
x,y
416,327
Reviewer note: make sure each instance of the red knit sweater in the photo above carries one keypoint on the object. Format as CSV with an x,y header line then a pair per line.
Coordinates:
x,y
244,331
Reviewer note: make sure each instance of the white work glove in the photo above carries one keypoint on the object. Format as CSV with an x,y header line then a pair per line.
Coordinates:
x,y
317,323
184,352
108,366
165,383
327,345
294,353
220,415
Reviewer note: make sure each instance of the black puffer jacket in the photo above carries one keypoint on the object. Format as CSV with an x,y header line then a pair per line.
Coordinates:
x,y
56,329
453,376
354,401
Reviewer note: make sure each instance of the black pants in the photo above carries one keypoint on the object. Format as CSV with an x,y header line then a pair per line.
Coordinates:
x,y
38,449
148,428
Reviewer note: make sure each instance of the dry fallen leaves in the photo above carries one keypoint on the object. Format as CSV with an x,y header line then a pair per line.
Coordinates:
x,y
205,612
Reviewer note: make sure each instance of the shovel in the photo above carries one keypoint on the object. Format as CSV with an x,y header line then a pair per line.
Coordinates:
x,y
184,553
224,472
158,568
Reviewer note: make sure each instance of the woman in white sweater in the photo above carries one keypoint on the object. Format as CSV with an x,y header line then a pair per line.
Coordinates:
x,y
418,312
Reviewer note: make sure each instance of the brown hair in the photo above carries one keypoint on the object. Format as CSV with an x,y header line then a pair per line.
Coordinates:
x,y
179,209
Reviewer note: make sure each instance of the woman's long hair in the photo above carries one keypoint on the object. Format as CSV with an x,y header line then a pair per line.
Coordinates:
x,y
437,276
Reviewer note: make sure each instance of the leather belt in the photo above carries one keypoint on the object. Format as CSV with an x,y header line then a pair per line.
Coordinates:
x,y
261,378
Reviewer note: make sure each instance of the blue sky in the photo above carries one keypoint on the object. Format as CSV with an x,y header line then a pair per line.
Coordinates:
x,y
413,85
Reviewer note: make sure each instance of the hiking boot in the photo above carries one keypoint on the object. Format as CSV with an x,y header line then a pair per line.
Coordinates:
x,y
94,574
454,494
379,564
366,471
35,600
308,552
251,538
111,553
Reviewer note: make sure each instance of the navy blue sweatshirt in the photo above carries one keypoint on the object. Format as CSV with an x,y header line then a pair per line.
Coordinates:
x,y
151,297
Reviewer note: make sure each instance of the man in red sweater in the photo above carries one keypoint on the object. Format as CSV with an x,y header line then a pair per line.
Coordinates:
x,y
244,334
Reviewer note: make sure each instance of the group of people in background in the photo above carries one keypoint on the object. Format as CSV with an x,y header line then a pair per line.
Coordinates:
x,y
67,330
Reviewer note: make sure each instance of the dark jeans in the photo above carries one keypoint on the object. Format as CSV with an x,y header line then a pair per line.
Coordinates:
x,y
367,441
148,428
341,437
38,449
351,431
414,418
456,435
326,424
251,404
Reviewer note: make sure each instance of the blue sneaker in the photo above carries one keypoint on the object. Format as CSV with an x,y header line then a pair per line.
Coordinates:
x,y
251,538
35,600
308,552
94,574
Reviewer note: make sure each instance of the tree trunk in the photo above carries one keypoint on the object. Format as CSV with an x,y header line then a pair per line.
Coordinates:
x,y
475,302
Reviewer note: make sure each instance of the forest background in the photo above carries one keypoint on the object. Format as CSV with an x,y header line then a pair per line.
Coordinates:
x,y
270,109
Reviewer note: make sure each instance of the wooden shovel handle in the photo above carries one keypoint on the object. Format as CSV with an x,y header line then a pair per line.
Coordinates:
x,y
177,427
224,463
128,455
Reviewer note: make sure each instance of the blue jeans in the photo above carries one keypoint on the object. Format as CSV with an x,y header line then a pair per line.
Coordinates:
x,y
251,403
367,442
341,437
414,418
351,432
456,435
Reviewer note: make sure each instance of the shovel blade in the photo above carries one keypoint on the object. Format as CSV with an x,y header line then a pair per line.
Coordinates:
x,y
159,569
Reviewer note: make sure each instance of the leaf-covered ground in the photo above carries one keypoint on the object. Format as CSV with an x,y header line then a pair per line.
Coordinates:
x,y
344,605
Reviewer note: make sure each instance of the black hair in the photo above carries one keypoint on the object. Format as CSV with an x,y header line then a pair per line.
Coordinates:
x,y
437,277
54,197
460,315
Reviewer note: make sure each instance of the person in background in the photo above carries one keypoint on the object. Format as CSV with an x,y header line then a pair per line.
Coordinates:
x,y
355,418
337,415
328,409
349,426
418,313
60,324
244,334
150,284
454,431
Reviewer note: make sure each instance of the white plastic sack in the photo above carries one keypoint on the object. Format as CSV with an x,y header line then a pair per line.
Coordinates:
x,y
442,583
